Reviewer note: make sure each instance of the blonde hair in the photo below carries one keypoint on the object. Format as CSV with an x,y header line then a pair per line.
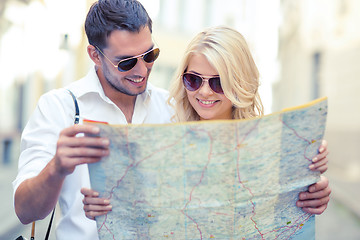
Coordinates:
x,y
227,51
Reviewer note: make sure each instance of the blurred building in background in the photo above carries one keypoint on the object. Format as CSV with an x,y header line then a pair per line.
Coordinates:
x,y
319,55
40,49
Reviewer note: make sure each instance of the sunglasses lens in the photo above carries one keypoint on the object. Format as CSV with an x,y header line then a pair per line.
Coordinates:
x,y
191,81
152,55
215,85
127,64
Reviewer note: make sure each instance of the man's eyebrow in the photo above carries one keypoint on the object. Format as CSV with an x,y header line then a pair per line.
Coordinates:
x,y
119,58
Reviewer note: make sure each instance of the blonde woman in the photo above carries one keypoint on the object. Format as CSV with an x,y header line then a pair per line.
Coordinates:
x,y
218,79
219,56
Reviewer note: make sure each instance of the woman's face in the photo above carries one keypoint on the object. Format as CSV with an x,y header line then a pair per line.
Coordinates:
x,y
207,103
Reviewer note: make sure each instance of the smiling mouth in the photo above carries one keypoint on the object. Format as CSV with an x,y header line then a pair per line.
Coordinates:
x,y
207,102
137,80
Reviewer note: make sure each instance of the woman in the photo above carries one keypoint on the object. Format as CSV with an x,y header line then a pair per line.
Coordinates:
x,y
218,79
214,54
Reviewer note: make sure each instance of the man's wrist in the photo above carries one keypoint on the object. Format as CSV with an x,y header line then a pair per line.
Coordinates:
x,y
54,172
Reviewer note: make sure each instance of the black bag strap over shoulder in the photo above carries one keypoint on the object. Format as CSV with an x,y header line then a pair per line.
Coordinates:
x,y
49,227
77,111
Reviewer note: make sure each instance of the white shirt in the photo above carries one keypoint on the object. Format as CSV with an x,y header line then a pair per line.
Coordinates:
x,y
54,112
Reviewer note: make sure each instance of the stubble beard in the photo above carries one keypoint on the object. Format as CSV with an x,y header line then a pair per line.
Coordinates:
x,y
120,88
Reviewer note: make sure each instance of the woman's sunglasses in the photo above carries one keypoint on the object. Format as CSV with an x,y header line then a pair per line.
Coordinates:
x,y
128,63
193,82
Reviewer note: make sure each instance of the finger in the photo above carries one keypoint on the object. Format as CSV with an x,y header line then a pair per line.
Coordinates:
x,y
320,162
320,156
69,157
89,192
96,201
88,160
315,166
313,203
97,208
74,157
89,216
64,141
80,128
322,169
318,210
316,195
320,185
85,152
92,214
323,146
65,166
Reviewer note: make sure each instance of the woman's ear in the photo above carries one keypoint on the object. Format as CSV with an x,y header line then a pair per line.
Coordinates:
x,y
94,55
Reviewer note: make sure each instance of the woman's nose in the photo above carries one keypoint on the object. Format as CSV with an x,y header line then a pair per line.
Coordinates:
x,y
205,88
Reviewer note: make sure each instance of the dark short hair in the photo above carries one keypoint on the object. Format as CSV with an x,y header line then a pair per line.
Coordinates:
x,y
106,16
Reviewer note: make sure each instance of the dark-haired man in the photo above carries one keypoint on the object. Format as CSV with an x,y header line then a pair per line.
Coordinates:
x,y
116,90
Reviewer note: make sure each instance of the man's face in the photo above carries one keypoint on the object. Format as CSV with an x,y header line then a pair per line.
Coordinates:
x,y
123,44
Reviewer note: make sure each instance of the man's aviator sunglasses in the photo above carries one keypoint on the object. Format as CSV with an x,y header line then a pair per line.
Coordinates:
x,y
128,63
193,82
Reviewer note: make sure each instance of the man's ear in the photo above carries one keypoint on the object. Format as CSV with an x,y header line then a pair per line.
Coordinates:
x,y
94,55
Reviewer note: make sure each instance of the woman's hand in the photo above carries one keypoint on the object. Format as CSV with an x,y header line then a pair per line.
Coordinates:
x,y
319,162
316,199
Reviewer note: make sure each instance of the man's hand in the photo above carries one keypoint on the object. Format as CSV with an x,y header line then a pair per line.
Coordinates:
x,y
316,199
72,151
93,205
45,188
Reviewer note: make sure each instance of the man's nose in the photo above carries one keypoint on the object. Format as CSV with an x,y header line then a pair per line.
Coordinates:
x,y
142,67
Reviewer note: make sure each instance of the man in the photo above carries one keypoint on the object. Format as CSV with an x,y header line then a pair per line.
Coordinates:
x,y
52,164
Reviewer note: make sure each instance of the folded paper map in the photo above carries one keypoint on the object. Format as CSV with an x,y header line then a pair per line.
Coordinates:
x,y
233,179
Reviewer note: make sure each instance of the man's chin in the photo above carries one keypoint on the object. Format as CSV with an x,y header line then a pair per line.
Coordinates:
x,y
136,92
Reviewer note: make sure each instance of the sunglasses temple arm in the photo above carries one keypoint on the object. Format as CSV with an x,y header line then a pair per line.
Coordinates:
x,y
106,57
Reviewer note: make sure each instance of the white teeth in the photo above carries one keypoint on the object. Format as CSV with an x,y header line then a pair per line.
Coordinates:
x,y
136,80
207,102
